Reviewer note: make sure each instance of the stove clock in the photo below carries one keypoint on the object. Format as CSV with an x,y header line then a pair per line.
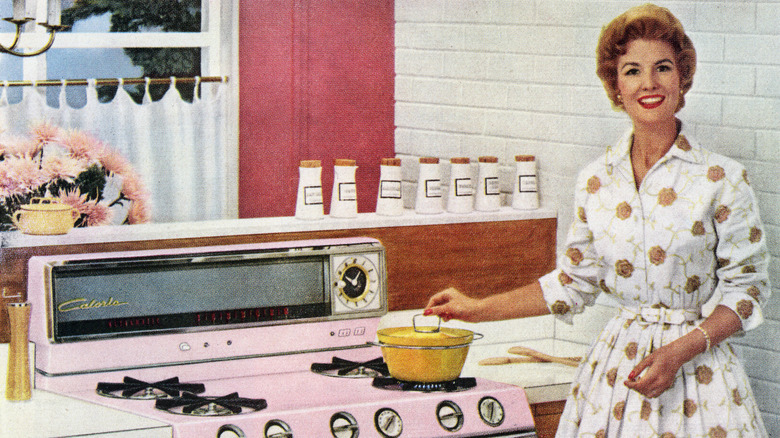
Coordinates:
x,y
356,284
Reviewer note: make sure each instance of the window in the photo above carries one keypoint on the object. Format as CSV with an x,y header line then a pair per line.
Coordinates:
x,y
124,39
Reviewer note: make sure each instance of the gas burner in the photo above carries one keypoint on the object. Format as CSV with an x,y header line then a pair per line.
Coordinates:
x,y
346,368
459,384
205,406
139,390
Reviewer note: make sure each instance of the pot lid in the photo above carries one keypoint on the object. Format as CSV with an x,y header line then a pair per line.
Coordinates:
x,y
45,204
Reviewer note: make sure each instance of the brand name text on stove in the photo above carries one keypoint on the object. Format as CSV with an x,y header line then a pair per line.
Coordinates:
x,y
83,304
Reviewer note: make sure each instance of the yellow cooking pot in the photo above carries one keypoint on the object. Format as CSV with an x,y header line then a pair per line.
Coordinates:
x,y
45,216
425,354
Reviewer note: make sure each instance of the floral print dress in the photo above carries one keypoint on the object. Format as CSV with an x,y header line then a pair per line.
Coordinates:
x,y
692,231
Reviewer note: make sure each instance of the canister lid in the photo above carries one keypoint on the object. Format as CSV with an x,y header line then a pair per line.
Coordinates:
x,y
524,158
391,162
429,160
344,162
311,163
460,160
488,159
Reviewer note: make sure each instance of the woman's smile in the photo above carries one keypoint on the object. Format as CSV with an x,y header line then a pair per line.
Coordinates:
x,y
651,102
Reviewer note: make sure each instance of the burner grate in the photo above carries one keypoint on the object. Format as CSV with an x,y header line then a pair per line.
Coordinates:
x,y
459,384
339,367
135,389
191,404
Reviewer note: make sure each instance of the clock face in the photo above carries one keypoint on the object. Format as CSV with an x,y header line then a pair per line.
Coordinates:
x,y
356,282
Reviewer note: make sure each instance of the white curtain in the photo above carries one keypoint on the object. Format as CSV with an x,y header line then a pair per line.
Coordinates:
x,y
179,148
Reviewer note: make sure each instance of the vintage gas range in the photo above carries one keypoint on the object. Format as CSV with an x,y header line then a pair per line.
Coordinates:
x,y
264,340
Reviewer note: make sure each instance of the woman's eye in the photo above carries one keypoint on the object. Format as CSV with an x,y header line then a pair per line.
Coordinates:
x,y
631,72
664,68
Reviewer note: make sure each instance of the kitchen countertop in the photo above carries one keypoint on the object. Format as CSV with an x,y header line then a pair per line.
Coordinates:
x,y
235,227
48,415
543,382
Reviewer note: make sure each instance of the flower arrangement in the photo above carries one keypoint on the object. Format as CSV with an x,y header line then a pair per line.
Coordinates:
x,y
75,168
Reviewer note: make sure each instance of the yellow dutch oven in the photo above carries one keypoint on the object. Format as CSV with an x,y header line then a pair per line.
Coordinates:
x,y
45,216
425,354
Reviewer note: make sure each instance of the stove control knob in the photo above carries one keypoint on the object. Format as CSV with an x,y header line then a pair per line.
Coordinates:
x,y
344,425
491,411
230,431
277,429
450,416
388,423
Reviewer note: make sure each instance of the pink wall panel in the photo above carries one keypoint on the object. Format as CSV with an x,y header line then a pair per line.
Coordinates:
x,y
316,82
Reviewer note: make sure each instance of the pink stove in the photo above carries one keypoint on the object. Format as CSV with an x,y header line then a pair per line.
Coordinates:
x,y
264,341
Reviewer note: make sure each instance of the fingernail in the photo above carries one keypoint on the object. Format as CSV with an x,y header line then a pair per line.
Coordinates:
x,y
427,312
632,376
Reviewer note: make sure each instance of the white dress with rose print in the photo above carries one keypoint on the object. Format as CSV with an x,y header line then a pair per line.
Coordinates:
x,y
691,231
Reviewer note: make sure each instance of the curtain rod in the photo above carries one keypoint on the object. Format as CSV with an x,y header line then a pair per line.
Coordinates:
x,y
115,81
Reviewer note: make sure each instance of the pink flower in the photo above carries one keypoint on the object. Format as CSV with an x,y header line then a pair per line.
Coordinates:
x,y
44,133
63,167
94,213
115,163
20,176
83,146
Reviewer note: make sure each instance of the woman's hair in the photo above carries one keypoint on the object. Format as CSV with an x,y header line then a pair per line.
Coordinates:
x,y
649,22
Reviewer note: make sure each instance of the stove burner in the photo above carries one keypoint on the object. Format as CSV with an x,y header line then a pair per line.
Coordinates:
x,y
191,404
139,390
459,384
346,368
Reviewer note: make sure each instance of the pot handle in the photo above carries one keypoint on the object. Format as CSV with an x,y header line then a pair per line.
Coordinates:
x,y
421,330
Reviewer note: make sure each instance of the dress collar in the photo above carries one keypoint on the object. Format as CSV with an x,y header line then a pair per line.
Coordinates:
x,y
684,148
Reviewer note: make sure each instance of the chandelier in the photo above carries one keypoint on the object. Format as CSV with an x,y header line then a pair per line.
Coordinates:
x,y
19,19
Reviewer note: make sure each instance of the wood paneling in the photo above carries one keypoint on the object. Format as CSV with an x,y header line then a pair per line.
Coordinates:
x,y
547,416
479,258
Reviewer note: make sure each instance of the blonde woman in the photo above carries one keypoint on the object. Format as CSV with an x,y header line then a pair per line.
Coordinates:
x,y
662,225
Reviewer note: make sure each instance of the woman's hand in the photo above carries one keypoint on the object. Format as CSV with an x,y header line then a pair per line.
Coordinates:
x,y
660,369
452,304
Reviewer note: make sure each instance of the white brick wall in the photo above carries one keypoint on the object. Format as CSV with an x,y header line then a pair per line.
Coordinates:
x,y
507,77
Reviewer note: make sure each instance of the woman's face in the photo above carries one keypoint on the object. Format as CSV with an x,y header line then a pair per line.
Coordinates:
x,y
649,82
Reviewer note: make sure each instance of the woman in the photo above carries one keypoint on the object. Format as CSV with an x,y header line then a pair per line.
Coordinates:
x,y
662,225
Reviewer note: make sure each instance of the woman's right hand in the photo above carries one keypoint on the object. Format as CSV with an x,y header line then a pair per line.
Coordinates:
x,y
452,304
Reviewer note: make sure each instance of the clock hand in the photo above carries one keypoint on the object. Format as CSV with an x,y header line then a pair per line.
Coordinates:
x,y
352,280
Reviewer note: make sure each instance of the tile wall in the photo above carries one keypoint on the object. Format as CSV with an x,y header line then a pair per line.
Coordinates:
x,y
508,77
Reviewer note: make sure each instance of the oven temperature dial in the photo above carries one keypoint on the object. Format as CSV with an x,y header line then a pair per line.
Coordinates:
x,y
230,431
491,411
450,416
344,425
388,423
277,429
357,282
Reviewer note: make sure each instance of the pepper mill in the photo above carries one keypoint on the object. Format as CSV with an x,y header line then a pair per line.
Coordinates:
x,y
18,384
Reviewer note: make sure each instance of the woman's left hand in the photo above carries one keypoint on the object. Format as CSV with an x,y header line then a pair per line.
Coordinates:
x,y
660,368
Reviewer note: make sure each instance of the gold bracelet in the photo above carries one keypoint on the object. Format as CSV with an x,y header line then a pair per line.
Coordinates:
x,y
706,337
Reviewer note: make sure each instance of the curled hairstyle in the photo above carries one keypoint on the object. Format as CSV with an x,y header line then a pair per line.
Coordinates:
x,y
649,22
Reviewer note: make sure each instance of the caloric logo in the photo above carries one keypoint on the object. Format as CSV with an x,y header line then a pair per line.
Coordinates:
x,y
83,304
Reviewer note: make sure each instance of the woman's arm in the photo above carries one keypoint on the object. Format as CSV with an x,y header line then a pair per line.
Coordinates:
x,y
516,303
661,366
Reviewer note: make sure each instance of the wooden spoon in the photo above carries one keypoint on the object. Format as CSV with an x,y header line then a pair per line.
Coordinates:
x,y
508,360
525,351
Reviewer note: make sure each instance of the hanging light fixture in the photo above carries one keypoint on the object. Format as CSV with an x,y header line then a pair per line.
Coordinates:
x,y
19,19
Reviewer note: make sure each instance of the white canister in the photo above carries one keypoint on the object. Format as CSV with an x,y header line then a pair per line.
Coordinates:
x,y
429,198
343,201
525,195
460,197
309,204
488,196
389,199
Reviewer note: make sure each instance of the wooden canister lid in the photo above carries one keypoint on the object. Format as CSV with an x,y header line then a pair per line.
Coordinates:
x,y
488,159
391,161
311,163
524,158
429,160
460,160
344,162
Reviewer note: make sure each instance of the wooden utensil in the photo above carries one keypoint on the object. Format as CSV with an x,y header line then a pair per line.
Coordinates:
x,y
508,360
525,351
